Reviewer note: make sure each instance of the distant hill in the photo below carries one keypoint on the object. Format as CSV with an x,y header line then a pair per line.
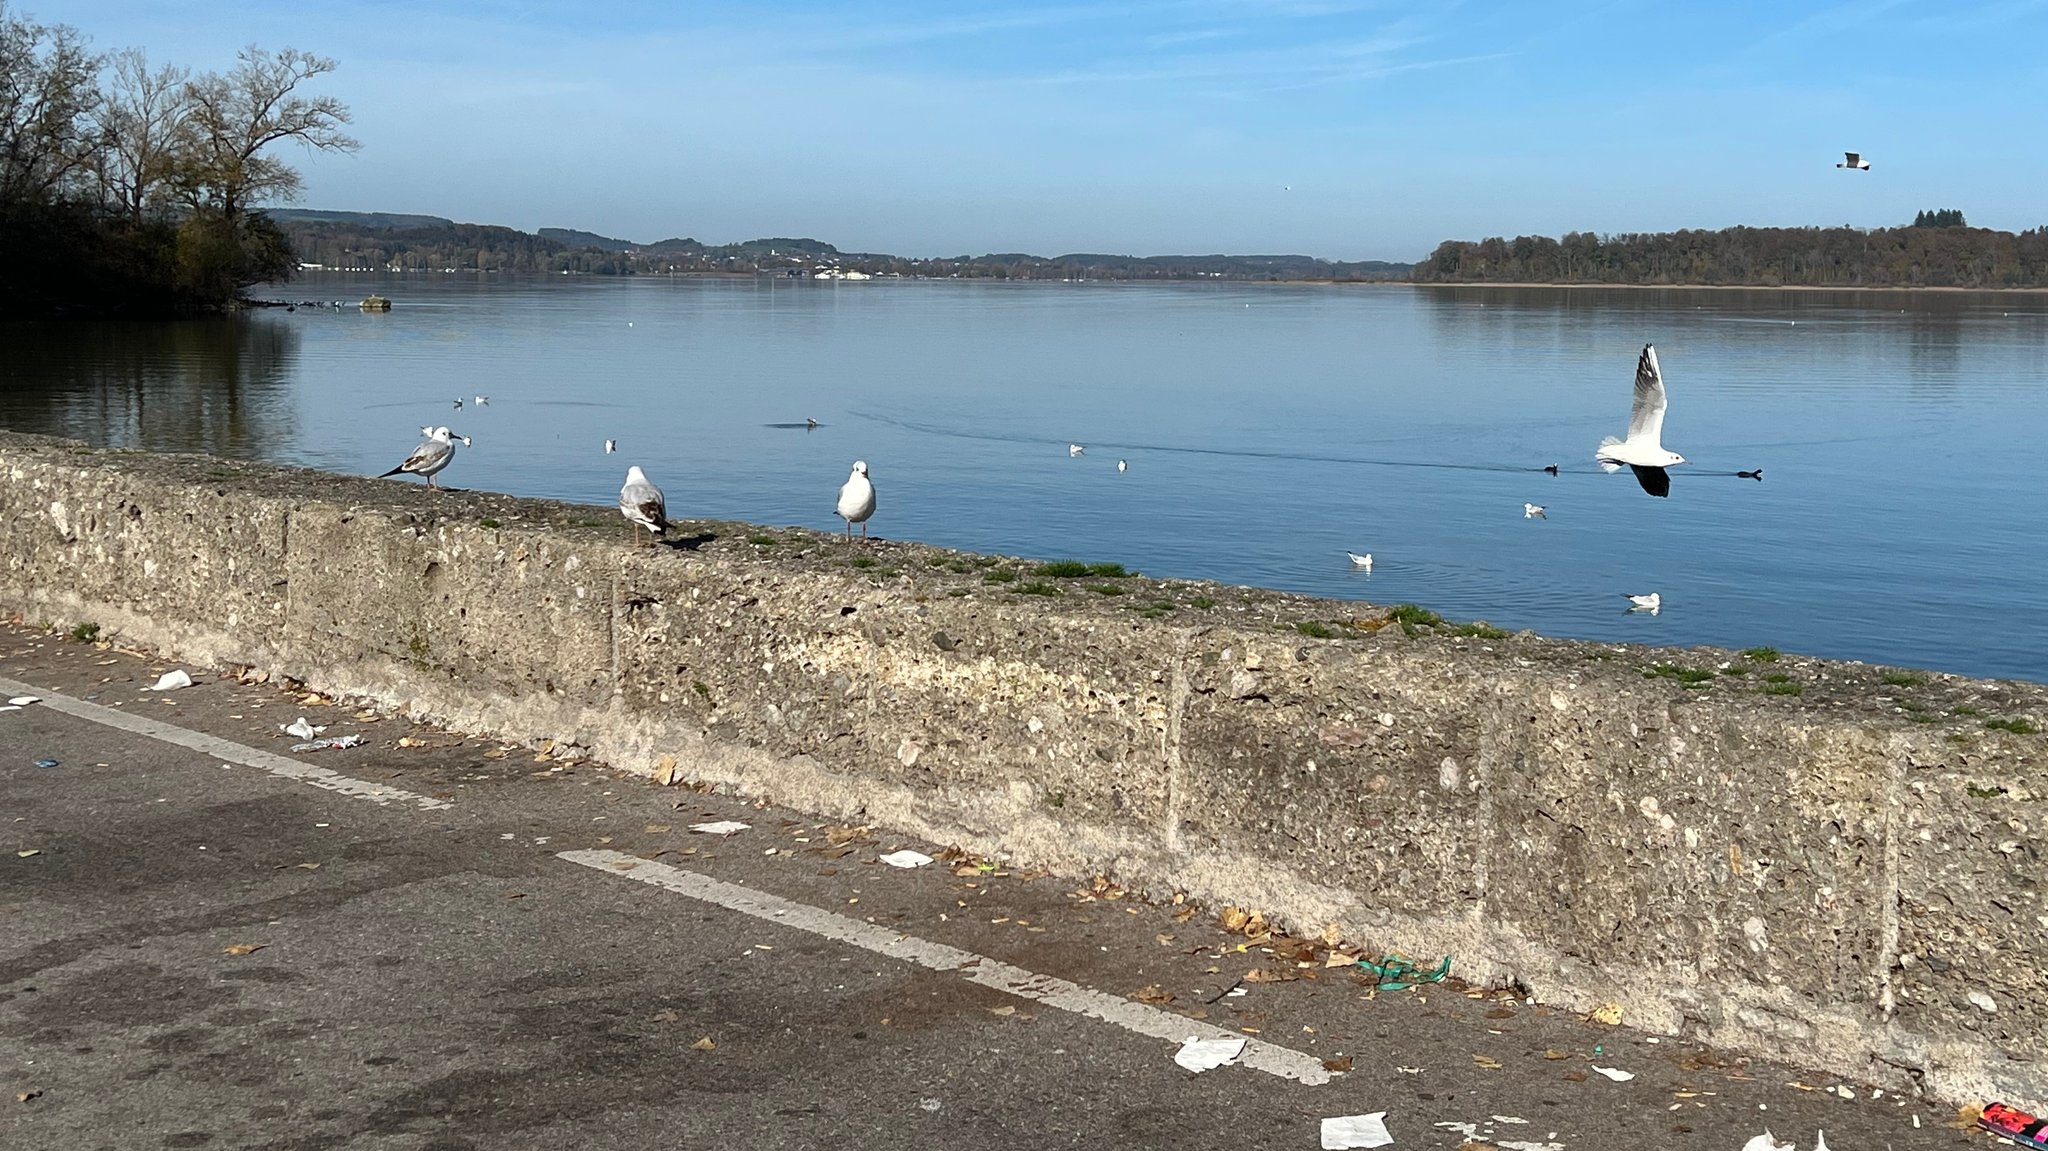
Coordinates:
x,y
396,241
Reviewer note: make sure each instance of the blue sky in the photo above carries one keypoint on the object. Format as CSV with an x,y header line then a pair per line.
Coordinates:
x,y
1338,129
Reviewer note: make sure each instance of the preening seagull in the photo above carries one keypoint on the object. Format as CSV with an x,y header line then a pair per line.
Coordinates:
x,y
1757,475
610,446
1361,561
857,499
643,504
1854,160
1075,449
1652,603
1643,451
1533,512
430,457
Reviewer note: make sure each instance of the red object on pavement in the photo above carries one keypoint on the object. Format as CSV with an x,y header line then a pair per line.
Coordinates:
x,y
2015,1125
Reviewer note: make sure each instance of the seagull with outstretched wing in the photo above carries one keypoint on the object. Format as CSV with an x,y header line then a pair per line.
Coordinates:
x,y
1643,452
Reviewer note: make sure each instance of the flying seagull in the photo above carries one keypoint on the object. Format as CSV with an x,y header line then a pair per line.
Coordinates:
x,y
1757,475
1075,449
1652,603
430,457
1361,561
1643,450
1854,160
483,401
857,499
1533,512
610,446
458,403
642,504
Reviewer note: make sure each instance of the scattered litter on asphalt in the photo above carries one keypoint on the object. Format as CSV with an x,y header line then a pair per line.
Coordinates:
x,y
24,700
301,728
243,948
24,854
1766,1142
1398,974
2010,1123
11,707
721,827
705,1044
329,742
1608,1013
1346,1131
171,681
1616,1074
1203,1054
905,858
25,1096
1820,1140
46,763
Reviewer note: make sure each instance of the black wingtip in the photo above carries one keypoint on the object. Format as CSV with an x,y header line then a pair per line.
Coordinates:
x,y
1655,481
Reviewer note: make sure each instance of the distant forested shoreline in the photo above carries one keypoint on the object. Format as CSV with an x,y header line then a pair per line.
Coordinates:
x,y
1939,251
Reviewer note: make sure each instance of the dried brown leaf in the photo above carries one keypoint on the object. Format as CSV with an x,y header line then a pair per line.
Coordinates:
x,y
1340,1064
1268,975
1575,1076
1487,1061
1554,1053
704,1044
243,948
25,1096
1500,1013
1608,1013
664,1017
1152,993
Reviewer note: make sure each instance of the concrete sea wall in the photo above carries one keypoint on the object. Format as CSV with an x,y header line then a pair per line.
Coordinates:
x,y
1828,863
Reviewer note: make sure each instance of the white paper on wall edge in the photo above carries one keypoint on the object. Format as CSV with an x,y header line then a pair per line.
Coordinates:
x,y
301,728
1346,1131
1766,1142
720,827
905,858
1820,1140
24,700
1616,1074
1204,1054
171,681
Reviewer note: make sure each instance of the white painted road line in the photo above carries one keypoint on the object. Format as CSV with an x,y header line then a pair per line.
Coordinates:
x,y
1284,1062
225,749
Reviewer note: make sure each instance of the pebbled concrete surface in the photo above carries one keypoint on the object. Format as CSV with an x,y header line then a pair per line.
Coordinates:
x,y
441,980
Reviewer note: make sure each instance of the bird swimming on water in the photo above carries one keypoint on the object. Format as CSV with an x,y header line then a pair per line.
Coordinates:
x,y
1075,449
1551,468
431,456
1533,512
1361,561
1123,465
642,504
1757,475
1652,603
1643,451
857,499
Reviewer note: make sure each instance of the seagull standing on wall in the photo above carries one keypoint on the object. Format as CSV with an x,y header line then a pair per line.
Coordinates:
x,y
642,504
1854,161
432,456
1643,451
857,499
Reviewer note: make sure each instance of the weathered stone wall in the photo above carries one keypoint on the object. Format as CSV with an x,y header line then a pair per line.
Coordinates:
x,y
1828,868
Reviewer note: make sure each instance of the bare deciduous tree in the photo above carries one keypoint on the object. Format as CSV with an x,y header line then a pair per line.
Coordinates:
x,y
48,101
141,125
234,119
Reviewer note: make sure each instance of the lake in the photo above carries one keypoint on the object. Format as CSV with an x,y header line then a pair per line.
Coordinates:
x,y
1268,430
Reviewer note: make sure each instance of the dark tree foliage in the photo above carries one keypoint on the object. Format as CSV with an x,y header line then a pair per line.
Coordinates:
x,y
132,190
1937,256
1940,218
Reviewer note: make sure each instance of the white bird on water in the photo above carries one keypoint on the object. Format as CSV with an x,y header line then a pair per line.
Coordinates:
x,y
642,504
1123,465
1533,512
857,499
1075,449
1855,161
1643,451
432,456
610,446
1652,603
483,401
1361,561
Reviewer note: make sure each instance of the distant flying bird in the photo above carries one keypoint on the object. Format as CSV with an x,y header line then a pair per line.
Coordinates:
x,y
1854,160
1757,475
1551,468
483,401
430,457
1075,449
610,446
1533,512
1643,451
1123,466
1652,603
1361,561
643,504
458,403
857,499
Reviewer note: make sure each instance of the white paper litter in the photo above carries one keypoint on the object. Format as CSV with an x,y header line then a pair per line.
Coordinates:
x,y
1616,1074
906,858
1356,1131
331,742
9,707
1820,1140
24,700
720,827
1766,1142
171,681
301,728
1203,1054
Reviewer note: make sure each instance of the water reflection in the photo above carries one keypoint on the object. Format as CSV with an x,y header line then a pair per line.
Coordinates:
x,y
216,386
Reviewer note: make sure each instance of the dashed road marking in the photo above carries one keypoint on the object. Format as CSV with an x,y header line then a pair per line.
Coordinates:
x,y
1270,1058
226,749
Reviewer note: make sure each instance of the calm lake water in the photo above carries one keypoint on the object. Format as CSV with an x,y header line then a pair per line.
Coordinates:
x,y
1269,429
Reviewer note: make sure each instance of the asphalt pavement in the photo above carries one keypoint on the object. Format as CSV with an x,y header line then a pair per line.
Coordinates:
x,y
433,942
